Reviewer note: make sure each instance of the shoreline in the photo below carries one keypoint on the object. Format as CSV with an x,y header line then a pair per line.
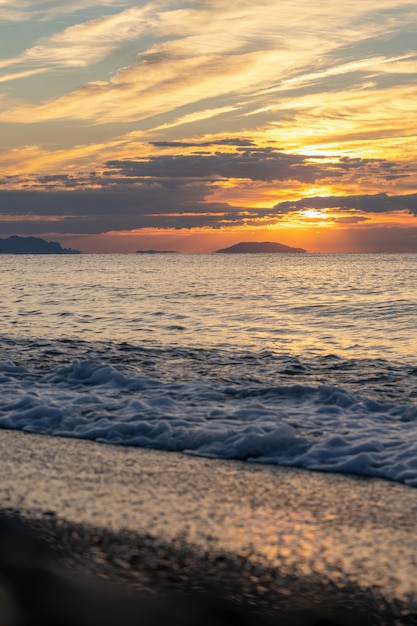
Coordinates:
x,y
273,540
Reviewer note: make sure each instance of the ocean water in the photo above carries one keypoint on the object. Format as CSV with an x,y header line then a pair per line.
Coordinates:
x,y
302,360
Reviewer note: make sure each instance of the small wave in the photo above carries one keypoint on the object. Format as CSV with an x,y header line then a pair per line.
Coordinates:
x,y
259,407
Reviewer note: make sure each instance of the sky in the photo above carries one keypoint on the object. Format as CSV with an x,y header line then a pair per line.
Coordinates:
x,y
191,126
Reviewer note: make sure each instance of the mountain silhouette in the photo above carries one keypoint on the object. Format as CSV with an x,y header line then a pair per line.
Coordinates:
x,y
254,247
32,245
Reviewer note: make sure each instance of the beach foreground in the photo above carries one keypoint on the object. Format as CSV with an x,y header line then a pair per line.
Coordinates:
x,y
276,544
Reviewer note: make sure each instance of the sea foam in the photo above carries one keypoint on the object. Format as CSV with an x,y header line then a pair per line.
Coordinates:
x,y
258,412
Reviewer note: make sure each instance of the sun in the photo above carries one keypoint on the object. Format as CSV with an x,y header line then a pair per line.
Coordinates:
x,y
313,214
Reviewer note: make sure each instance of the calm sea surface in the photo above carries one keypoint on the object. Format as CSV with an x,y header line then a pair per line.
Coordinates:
x,y
351,305
305,360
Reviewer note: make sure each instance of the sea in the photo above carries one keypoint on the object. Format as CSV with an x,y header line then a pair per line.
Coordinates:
x,y
303,360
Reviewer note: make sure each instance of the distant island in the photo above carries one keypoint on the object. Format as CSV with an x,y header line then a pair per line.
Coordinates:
x,y
32,245
156,252
257,247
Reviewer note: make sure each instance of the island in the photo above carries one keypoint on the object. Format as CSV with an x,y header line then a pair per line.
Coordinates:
x,y
156,252
32,245
259,247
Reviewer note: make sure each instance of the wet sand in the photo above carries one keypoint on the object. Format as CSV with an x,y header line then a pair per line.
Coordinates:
x,y
276,542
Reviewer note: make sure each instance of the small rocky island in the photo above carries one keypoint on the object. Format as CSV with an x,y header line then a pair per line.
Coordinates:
x,y
155,252
32,245
259,247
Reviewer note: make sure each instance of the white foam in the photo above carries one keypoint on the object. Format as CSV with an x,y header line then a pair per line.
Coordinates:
x,y
321,427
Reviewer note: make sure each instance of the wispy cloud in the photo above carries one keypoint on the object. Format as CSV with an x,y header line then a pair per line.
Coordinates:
x,y
336,116
22,10
210,49
85,43
403,64
17,75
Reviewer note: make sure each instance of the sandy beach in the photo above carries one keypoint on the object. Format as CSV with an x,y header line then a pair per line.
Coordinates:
x,y
278,542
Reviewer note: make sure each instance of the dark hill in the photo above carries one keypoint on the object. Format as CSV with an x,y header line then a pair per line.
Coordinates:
x,y
254,247
32,245
155,252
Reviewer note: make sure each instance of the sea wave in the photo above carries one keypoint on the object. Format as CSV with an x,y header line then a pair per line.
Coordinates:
x,y
323,413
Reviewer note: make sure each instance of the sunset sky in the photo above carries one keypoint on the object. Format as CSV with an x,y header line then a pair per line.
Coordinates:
x,y
191,126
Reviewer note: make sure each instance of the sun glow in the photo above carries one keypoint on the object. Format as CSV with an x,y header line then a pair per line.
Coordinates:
x,y
314,214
